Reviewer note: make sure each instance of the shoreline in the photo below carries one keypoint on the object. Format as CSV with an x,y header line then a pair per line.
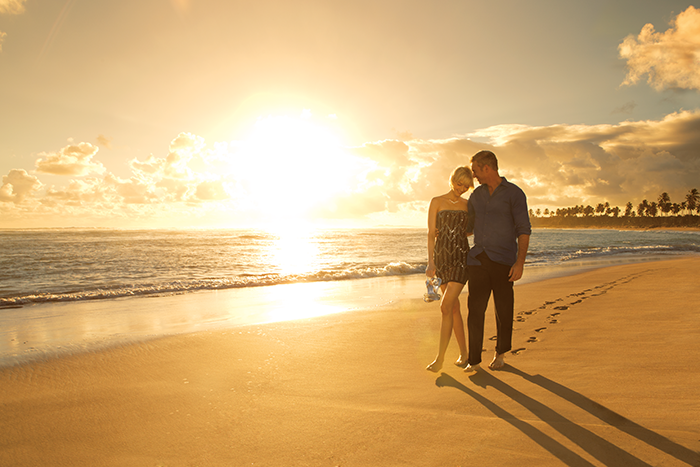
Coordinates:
x,y
351,389
617,223
640,229
46,331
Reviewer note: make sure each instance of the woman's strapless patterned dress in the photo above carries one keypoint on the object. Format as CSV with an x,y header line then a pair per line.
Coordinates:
x,y
451,246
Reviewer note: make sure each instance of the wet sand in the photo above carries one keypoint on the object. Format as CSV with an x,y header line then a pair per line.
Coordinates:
x,y
604,371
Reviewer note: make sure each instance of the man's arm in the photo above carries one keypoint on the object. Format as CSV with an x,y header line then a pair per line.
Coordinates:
x,y
516,272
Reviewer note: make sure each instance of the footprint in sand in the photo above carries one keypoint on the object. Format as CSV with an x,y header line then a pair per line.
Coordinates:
x,y
517,351
561,307
532,339
540,329
493,338
521,318
551,318
574,303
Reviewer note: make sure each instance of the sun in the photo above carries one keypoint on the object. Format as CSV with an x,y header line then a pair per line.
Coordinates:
x,y
289,166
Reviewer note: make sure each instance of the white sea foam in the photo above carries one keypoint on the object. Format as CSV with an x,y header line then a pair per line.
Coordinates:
x,y
59,265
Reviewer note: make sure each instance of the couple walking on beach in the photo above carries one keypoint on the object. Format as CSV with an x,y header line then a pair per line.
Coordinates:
x,y
496,214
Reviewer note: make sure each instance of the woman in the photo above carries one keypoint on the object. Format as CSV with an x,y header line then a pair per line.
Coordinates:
x,y
448,248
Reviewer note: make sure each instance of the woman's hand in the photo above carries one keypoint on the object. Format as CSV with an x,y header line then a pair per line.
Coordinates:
x,y
430,270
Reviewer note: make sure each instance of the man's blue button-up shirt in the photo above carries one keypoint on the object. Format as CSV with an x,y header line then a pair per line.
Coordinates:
x,y
497,220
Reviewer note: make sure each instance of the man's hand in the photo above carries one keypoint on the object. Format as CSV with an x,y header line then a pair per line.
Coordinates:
x,y
516,272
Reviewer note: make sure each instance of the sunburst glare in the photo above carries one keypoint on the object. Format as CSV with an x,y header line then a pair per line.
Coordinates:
x,y
289,166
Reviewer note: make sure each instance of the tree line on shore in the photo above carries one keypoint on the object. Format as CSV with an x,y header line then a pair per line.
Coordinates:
x,y
660,213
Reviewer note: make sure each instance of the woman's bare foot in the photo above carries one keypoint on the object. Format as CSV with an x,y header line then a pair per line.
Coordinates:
x,y
497,362
461,362
435,366
472,368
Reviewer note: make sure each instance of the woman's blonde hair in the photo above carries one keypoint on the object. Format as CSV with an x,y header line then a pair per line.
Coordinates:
x,y
462,175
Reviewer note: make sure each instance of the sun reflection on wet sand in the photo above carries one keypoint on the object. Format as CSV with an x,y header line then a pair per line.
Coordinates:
x,y
297,301
70,327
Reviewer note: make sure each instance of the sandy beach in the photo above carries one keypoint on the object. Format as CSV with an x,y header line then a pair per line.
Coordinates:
x,y
604,372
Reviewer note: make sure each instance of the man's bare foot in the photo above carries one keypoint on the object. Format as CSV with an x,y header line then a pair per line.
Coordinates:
x,y
461,362
497,362
435,366
472,368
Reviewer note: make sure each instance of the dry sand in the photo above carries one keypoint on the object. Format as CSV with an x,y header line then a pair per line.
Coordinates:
x,y
604,372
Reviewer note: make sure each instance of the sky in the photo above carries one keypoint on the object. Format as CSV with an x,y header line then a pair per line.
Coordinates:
x,y
227,113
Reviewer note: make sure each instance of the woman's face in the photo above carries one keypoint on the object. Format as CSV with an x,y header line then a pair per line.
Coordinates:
x,y
460,188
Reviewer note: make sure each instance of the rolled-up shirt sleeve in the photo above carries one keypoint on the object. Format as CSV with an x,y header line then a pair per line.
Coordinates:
x,y
521,217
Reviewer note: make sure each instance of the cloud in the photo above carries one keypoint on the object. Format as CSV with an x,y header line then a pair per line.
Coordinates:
x,y
103,140
182,150
625,108
12,7
74,159
564,165
670,59
173,178
17,185
211,190
556,166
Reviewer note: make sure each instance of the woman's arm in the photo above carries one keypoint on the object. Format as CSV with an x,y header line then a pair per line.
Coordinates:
x,y
432,216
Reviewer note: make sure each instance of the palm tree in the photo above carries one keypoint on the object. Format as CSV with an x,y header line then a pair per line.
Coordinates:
x,y
664,202
628,209
642,208
600,208
692,199
652,209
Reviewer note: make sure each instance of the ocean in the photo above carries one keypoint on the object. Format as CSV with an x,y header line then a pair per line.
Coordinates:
x,y
59,265
65,291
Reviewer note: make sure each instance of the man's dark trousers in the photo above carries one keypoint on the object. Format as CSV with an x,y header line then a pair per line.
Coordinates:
x,y
484,279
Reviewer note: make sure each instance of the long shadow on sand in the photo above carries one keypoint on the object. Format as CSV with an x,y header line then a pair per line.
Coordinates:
x,y
557,449
599,448
612,418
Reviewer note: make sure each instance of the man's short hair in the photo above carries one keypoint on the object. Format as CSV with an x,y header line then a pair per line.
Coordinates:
x,y
483,158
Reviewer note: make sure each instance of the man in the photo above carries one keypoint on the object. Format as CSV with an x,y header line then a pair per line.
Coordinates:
x,y
499,218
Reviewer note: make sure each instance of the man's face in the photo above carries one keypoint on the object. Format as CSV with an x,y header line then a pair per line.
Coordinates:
x,y
479,172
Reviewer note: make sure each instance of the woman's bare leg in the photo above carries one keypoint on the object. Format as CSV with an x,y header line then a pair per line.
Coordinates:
x,y
458,327
450,296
